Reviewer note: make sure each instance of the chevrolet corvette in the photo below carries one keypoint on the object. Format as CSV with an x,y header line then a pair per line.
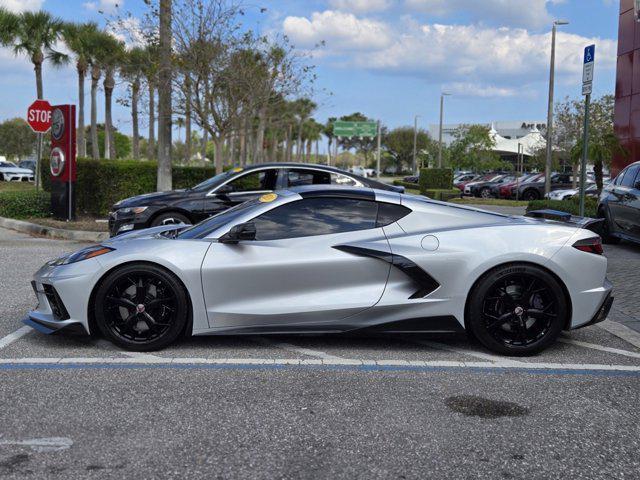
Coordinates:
x,y
325,259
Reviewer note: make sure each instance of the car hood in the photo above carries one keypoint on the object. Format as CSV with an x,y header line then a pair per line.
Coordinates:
x,y
155,198
15,170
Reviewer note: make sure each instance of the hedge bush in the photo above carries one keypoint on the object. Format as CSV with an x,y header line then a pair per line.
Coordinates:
x,y
442,194
101,183
571,206
24,204
436,179
412,186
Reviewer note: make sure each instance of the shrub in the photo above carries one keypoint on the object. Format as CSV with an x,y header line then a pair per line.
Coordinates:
x,y
442,194
412,186
24,204
101,183
571,206
436,179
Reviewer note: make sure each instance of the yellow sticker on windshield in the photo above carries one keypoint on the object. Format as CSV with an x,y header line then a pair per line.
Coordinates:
x,y
268,197
237,169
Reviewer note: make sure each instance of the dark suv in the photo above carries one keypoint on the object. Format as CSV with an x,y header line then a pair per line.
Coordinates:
x,y
535,190
225,190
620,206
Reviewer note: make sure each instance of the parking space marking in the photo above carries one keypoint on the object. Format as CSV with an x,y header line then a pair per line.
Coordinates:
x,y
602,348
621,331
328,364
296,349
12,337
461,351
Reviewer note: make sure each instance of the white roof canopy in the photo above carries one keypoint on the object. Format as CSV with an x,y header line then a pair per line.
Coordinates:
x,y
529,144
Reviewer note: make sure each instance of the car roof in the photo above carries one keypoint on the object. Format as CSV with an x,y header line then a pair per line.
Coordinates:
x,y
292,165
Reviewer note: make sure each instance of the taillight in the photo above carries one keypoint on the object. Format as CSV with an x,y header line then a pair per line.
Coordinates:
x,y
590,245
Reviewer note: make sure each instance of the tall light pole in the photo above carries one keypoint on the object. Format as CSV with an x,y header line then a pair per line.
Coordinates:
x,y
552,72
442,95
414,165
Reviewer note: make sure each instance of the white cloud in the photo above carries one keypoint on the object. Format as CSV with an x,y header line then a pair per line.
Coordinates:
x,y
343,31
129,31
106,6
360,6
514,13
21,5
469,89
500,61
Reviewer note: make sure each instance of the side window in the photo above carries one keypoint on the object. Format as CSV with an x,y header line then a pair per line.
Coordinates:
x,y
299,177
316,216
629,177
390,212
620,176
339,179
254,181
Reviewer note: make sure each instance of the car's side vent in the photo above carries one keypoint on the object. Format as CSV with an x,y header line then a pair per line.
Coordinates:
x,y
55,302
427,284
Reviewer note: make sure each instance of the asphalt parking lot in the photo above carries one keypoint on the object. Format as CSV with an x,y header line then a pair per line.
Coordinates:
x,y
315,407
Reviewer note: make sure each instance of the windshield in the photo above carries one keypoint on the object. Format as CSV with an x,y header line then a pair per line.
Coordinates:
x,y
207,226
7,165
214,181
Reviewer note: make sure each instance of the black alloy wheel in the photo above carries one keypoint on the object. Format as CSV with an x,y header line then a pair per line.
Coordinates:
x,y
141,307
530,195
517,310
485,192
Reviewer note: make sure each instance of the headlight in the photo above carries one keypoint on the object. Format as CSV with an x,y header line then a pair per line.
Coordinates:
x,y
84,254
135,210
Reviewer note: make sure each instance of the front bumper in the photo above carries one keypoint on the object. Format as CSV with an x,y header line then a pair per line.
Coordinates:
x,y
119,223
18,177
50,315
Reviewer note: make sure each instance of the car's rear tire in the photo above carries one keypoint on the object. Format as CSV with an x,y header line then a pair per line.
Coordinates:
x,y
607,236
517,309
485,192
141,307
530,195
170,218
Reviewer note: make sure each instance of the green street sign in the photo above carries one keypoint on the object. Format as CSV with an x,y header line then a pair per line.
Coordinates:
x,y
355,129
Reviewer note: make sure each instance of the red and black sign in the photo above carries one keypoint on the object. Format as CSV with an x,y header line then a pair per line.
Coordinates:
x,y
62,161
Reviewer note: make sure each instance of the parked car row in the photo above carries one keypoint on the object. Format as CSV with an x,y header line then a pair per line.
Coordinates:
x,y
10,172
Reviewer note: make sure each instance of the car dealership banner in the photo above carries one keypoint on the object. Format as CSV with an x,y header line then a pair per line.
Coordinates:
x,y
62,162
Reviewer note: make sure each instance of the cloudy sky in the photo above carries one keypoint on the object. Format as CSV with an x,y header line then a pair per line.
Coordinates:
x,y
390,59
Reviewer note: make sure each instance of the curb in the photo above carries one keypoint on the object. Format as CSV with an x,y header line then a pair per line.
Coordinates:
x,y
51,232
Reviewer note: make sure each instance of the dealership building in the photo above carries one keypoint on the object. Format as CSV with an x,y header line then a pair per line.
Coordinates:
x,y
627,107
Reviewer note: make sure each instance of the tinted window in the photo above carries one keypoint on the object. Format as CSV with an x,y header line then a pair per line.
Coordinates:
x,y
629,176
254,181
316,216
299,177
390,212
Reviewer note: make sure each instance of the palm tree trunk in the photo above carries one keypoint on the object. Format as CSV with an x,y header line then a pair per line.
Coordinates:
x,y
82,146
219,143
259,146
205,140
289,152
187,120
299,144
309,144
152,121
109,144
38,69
135,92
164,98
37,66
95,149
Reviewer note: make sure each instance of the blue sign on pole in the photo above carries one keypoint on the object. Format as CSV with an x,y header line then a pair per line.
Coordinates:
x,y
590,54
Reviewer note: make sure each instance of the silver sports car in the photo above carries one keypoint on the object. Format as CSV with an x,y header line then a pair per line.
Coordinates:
x,y
328,260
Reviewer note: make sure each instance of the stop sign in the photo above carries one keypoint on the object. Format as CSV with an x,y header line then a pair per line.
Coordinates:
x,y
39,116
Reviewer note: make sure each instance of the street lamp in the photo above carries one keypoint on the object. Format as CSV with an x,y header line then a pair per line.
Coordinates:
x,y
414,165
442,95
548,164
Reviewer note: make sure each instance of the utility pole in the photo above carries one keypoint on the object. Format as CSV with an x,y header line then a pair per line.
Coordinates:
x,y
442,95
414,165
552,72
164,99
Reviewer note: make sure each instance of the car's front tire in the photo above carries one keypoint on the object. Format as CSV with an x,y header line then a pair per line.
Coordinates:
x,y
485,193
170,218
517,309
141,307
530,195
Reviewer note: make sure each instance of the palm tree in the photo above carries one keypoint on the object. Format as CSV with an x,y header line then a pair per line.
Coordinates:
x,y
133,70
33,34
151,76
80,38
303,108
180,123
109,57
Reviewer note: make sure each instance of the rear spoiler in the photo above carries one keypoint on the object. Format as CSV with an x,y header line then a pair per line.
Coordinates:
x,y
593,224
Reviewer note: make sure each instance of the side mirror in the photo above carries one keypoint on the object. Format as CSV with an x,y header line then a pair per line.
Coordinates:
x,y
244,231
224,189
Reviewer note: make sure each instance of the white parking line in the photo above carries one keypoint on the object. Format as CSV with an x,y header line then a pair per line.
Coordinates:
x,y
621,331
12,337
602,348
105,345
253,362
296,349
463,351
